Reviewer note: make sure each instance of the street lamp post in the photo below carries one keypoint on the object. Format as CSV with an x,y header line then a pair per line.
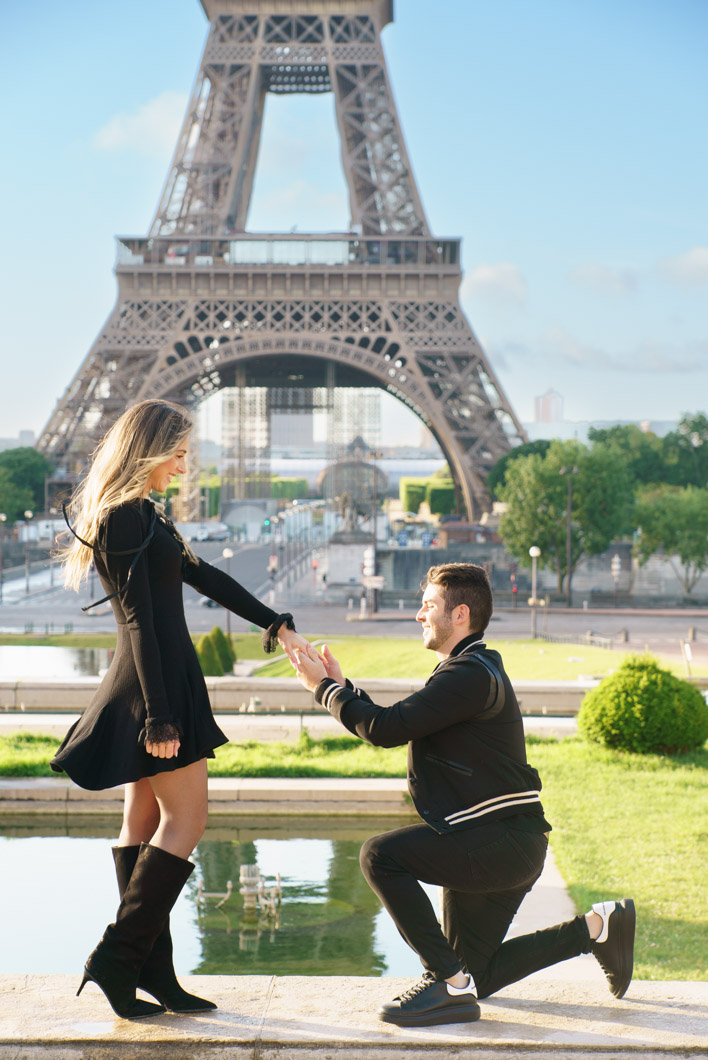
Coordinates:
x,y
569,471
534,553
616,567
3,520
227,554
28,516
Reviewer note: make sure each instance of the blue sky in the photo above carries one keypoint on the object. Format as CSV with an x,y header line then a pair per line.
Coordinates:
x,y
563,140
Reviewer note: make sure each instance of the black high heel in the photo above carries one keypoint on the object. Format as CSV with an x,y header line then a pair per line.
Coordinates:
x,y
130,1008
116,963
157,975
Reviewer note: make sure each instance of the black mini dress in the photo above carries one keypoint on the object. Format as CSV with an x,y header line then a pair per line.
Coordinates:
x,y
155,675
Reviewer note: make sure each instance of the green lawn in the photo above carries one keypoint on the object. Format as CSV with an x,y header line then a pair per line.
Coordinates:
x,y
623,824
525,660
361,657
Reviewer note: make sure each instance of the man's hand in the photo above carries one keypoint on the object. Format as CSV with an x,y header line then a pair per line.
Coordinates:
x,y
334,670
310,667
289,641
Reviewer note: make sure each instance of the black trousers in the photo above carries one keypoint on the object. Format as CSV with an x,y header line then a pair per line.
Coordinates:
x,y
484,872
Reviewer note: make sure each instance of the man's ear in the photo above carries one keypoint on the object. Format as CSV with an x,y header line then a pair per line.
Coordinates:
x,y
462,617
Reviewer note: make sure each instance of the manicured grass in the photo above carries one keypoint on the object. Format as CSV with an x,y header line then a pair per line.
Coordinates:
x,y
335,756
525,660
361,657
26,755
59,640
630,825
247,645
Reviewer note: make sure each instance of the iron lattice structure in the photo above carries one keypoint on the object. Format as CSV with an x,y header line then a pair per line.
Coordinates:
x,y
202,304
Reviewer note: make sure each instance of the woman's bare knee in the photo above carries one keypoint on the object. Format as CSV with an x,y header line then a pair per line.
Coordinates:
x,y
141,814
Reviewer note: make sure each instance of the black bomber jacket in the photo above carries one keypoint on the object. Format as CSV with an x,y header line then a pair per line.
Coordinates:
x,y
466,751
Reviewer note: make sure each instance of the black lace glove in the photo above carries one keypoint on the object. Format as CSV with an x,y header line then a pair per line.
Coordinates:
x,y
270,636
159,730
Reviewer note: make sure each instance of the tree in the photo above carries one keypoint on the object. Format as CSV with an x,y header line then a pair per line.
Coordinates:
x,y
642,451
536,493
13,499
686,452
495,478
28,469
674,521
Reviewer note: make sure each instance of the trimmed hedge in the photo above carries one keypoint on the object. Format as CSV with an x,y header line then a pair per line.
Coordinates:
x,y
441,496
412,492
208,658
644,708
224,649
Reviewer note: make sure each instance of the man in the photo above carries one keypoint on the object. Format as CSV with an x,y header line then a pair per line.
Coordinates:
x,y
482,836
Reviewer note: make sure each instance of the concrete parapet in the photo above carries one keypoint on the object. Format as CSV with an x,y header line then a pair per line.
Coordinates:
x,y
270,1018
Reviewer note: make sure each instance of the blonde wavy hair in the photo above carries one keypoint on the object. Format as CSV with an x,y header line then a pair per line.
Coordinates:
x,y
145,436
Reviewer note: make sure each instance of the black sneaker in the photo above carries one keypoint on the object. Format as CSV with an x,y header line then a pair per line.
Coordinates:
x,y
614,948
431,1002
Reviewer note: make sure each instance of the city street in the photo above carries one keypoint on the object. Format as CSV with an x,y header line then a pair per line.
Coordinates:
x,y
50,608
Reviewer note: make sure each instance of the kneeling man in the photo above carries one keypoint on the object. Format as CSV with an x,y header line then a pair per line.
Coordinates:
x,y
482,835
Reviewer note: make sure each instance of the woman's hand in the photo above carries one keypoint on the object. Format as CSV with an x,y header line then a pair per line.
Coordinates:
x,y
166,749
289,641
334,670
310,667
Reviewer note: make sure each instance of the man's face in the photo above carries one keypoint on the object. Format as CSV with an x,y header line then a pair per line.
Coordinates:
x,y
438,627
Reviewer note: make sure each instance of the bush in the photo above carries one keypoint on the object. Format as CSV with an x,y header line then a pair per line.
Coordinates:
x,y
208,659
412,493
646,709
441,496
223,648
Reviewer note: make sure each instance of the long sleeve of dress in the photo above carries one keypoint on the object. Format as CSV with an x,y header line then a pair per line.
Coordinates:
x,y
219,586
126,530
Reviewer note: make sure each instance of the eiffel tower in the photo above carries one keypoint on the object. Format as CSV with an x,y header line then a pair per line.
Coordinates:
x,y
204,304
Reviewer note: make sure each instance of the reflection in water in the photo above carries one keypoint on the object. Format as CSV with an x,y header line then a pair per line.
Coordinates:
x,y
324,924
300,907
23,660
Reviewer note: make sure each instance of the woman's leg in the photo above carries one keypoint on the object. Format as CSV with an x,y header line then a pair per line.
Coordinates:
x,y
182,800
141,814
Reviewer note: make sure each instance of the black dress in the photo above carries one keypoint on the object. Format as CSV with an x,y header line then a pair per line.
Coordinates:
x,y
155,674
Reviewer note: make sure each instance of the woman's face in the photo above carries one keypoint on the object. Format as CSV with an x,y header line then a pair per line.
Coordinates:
x,y
163,474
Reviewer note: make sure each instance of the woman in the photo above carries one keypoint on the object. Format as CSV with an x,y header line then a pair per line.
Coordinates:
x,y
150,725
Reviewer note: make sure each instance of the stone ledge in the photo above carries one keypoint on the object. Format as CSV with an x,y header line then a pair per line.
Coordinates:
x,y
300,797
302,1017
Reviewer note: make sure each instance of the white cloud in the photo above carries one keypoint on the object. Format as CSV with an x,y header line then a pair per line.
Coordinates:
x,y
150,130
687,270
503,283
604,280
646,358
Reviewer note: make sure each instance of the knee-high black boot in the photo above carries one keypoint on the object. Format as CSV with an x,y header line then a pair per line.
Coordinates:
x,y
116,963
157,976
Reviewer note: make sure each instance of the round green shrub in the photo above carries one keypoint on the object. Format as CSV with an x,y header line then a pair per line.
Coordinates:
x,y
209,660
223,648
642,707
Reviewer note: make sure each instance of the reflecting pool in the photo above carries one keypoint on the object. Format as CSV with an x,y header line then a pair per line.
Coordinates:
x,y
58,891
19,661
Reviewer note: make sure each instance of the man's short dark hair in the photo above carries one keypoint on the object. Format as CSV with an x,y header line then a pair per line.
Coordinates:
x,y
464,583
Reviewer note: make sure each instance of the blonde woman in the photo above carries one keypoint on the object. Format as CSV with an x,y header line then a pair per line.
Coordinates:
x,y
150,724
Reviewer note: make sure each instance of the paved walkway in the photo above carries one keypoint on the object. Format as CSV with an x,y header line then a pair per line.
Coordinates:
x,y
294,1018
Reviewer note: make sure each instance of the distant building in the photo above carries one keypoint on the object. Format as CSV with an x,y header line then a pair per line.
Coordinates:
x,y
548,408
25,438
